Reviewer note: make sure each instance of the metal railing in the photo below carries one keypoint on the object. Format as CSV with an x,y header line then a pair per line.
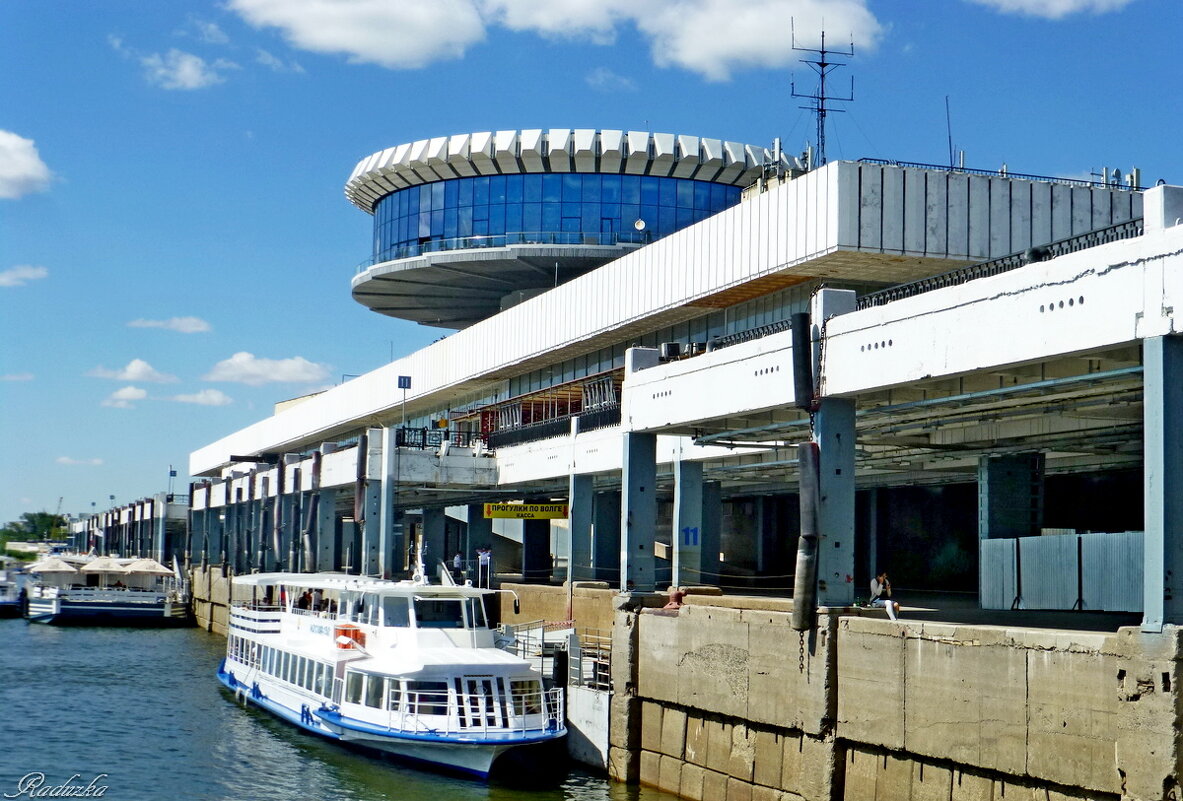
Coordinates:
x,y
431,438
255,617
601,417
589,661
749,334
604,239
1114,233
474,715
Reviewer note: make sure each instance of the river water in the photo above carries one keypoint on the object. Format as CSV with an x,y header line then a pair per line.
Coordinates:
x,y
144,708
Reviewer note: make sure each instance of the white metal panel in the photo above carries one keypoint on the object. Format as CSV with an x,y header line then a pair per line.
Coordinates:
x,y
870,225
611,150
1082,210
558,149
1041,212
585,149
936,211
1020,215
480,153
998,226
664,154
979,217
915,204
638,153
893,210
505,150
1061,212
532,150
712,159
958,215
997,588
688,161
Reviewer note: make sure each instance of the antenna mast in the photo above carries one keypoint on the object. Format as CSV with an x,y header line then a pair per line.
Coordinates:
x,y
823,67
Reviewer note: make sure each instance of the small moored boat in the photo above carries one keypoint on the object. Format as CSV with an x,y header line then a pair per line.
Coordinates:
x,y
104,590
403,668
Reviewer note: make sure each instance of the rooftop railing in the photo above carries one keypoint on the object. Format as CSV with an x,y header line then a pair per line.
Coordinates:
x,y
603,239
1004,173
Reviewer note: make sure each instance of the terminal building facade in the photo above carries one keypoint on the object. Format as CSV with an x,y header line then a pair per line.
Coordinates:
x,y
986,365
589,273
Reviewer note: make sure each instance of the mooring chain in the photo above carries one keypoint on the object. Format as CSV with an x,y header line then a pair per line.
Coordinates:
x,y
801,653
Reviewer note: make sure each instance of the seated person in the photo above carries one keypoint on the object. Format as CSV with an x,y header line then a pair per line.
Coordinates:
x,y
881,595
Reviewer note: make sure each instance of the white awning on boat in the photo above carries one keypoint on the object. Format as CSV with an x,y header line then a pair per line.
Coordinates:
x,y
104,564
148,567
51,565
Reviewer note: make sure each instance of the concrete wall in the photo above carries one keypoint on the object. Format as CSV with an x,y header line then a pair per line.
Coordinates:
x,y
726,703
591,604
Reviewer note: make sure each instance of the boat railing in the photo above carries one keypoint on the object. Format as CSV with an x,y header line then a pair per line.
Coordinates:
x,y
132,594
474,714
255,617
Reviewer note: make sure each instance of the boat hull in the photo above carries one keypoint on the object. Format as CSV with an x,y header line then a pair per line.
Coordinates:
x,y
103,613
472,758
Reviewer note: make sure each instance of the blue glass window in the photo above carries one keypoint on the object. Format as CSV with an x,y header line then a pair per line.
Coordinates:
x,y
568,208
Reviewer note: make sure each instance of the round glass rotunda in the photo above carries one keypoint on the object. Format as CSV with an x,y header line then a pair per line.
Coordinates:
x,y
468,225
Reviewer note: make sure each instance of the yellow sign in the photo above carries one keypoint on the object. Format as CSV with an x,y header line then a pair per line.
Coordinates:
x,y
527,511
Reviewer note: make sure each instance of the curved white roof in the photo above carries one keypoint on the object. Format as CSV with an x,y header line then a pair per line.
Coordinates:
x,y
557,150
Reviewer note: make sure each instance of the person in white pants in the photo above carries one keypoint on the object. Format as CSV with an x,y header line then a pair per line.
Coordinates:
x,y
881,595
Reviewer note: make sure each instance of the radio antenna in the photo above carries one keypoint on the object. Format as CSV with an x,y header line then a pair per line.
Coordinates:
x,y
823,66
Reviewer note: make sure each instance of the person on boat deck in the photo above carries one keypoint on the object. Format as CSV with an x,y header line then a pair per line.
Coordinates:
x,y
305,600
316,599
881,595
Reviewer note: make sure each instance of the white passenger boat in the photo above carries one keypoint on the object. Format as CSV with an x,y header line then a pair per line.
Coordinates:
x,y
104,590
404,668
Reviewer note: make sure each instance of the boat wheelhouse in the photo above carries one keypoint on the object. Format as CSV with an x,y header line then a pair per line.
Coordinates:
x,y
105,590
404,668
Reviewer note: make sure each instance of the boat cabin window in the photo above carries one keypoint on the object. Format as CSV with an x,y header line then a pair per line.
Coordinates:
x,y
476,614
375,691
353,682
396,611
527,697
439,613
427,697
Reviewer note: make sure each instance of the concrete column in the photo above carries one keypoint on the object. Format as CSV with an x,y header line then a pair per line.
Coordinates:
x,y
579,528
235,547
327,542
392,538
638,513
480,530
536,564
368,562
435,527
606,537
872,532
1162,476
1010,495
834,434
687,568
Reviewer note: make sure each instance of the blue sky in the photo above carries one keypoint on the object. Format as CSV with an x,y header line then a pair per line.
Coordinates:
x,y
176,250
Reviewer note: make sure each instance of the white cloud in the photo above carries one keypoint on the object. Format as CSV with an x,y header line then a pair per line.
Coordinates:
x,y
275,63
591,19
184,325
22,274
72,461
122,398
22,171
398,35
177,69
136,370
1054,9
17,377
710,37
209,32
246,368
603,79
717,37
206,397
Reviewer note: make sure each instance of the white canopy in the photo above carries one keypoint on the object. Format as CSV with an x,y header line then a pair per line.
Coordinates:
x,y
51,564
104,564
149,567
